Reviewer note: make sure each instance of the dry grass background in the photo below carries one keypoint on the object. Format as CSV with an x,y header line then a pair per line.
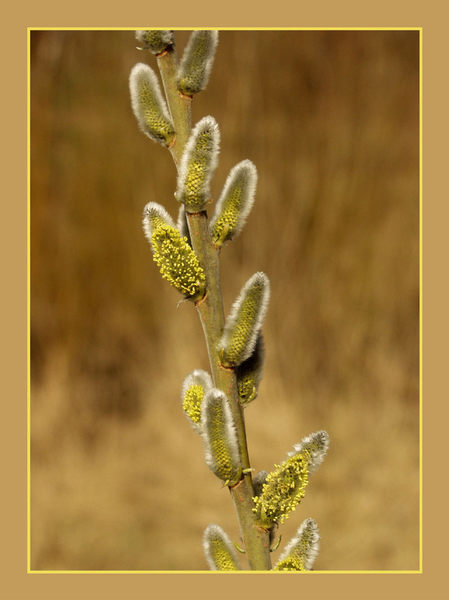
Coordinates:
x,y
331,121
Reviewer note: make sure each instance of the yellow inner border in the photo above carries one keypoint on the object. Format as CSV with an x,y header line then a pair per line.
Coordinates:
x,y
404,572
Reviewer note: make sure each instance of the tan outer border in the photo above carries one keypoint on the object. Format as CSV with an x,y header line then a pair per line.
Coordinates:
x,y
238,573
15,583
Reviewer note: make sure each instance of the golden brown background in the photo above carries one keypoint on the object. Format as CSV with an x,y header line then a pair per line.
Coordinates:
x,y
331,121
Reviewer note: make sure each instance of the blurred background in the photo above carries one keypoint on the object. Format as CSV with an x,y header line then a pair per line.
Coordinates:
x,y
331,120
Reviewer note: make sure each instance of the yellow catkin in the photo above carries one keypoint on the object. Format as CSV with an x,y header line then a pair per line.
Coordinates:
x,y
290,564
285,487
282,491
300,553
244,322
192,402
154,216
149,106
154,119
218,549
225,466
157,219
198,163
177,262
222,557
220,438
227,221
197,174
196,62
194,389
235,203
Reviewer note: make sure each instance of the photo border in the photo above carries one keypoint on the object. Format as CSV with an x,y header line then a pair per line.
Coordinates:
x,y
427,583
237,573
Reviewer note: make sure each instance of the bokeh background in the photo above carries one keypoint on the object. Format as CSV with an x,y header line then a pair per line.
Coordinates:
x,y
331,120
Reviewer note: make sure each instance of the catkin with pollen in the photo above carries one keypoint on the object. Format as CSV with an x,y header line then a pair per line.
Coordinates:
x,y
284,488
177,262
301,551
194,388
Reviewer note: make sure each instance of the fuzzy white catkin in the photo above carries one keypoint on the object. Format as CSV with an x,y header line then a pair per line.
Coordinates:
x,y
149,106
235,202
154,40
244,321
219,550
307,552
198,163
220,437
197,60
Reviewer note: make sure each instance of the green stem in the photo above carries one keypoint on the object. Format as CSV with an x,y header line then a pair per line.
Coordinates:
x,y
211,313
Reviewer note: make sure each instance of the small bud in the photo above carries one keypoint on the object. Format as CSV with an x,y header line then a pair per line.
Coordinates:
x,y
155,215
235,203
155,40
197,165
177,262
149,106
244,321
220,437
258,481
219,551
194,388
196,62
182,225
285,486
301,551
249,373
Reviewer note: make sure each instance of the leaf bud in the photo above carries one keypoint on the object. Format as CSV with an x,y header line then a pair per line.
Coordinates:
x,y
249,373
258,481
